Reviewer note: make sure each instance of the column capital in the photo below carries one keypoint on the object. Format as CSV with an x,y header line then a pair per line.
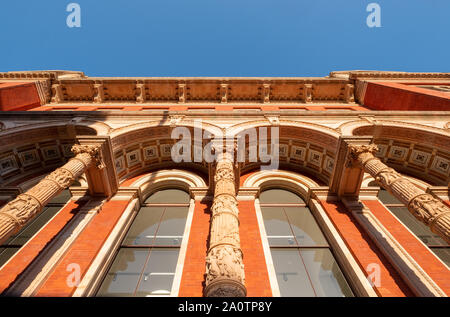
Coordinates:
x,y
94,151
347,174
356,150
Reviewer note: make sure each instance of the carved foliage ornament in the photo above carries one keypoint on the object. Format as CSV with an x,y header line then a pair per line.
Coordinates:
x,y
356,150
224,173
387,176
224,203
94,152
62,177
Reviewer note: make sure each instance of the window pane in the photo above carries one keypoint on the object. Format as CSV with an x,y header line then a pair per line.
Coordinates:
x,y
291,274
277,226
159,273
168,196
155,284
144,226
386,198
325,274
62,198
279,196
418,228
304,226
6,254
123,277
443,254
34,226
171,229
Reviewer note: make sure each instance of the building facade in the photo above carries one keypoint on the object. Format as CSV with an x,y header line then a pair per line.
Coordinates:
x,y
260,187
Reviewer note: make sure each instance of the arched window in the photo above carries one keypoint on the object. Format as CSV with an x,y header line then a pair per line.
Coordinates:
x,y
423,232
147,258
302,258
18,240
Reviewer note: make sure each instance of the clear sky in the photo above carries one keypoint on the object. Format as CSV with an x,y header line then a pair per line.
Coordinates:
x,y
224,37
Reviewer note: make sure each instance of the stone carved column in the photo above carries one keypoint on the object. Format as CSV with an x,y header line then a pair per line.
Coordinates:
x,y
224,266
425,207
15,214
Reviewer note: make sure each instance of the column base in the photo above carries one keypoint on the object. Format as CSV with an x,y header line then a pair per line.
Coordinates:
x,y
223,287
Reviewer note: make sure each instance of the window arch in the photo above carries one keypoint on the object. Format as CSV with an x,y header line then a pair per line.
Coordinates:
x,y
146,261
433,241
303,260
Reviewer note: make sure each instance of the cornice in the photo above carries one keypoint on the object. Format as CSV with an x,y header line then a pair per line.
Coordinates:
x,y
66,87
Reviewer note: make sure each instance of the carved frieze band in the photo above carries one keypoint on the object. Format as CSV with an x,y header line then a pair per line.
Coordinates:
x,y
428,209
224,265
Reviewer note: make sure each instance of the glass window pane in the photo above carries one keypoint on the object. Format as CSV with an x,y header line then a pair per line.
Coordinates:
x,y
155,284
34,226
418,228
291,274
144,226
325,274
168,196
443,254
279,196
386,198
159,273
304,226
62,198
277,226
163,260
171,229
123,276
6,254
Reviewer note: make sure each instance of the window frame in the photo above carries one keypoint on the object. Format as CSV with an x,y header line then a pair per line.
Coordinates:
x,y
267,247
388,207
137,205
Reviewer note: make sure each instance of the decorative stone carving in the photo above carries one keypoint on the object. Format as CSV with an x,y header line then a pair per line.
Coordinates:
x,y
91,152
99,95
19,211
140,92
266,93
181,93
223,93
307,92
62,177
349,93
57,94
426,208
224,266
175,120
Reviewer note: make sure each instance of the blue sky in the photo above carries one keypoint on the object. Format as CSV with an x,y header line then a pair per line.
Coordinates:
x,y
224,37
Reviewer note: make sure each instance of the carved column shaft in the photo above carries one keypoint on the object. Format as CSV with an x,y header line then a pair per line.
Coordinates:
x,y
425,207
15,214
224,265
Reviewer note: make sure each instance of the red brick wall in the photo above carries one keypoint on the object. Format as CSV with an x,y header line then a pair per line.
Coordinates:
x,y
395,96
194,268
18,96
421,254
256,274
365,251
25,256
84,249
